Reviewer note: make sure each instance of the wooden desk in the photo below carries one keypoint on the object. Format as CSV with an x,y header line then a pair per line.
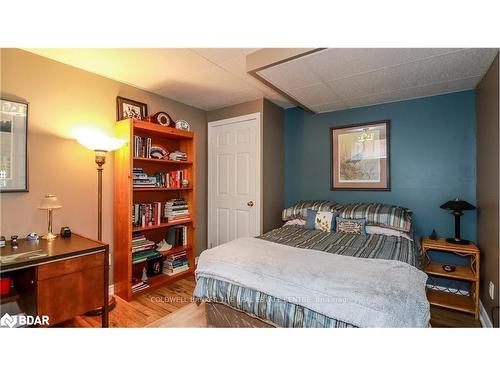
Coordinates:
x,y
61,278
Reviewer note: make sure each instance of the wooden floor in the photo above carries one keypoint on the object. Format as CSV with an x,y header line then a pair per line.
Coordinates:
x,y
155,309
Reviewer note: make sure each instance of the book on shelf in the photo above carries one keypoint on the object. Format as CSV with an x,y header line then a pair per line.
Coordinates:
x,y
178,156
142,147
175,263
146,214
171,180
176,210
139,286
177,235
141,243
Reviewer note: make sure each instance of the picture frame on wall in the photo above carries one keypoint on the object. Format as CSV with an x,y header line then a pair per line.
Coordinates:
x,y
360,156
13,146
128,108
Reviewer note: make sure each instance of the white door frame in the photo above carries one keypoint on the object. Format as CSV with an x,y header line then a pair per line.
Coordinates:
x,y
232,120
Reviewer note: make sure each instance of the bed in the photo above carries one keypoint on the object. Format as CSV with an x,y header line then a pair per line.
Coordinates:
x,y
295,276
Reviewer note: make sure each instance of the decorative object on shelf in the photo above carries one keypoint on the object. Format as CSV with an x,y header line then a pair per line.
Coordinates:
x,y
13,241
360,156
185,183
162,118
32,236
158,152
100,144
65,232
2,241
5,283
49,203
163,246
457,206
154,265
182,125
128,108
449,267
144,277
433,235
14,149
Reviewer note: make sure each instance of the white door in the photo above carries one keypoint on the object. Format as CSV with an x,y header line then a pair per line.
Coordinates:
x,y
234,179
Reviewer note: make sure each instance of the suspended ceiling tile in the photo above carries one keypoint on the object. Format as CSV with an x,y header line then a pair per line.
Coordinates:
x,y
316,94
414,92
329,107
338,63
220,55
290,75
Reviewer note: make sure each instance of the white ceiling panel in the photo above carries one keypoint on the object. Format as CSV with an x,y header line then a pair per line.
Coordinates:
x,y
316,94
338,63
414,92
355,77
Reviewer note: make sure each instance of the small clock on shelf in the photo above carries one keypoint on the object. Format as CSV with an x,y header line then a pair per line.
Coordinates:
x,y
161,118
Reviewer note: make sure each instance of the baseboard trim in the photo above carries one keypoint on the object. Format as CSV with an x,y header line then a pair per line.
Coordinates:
x,y
484,318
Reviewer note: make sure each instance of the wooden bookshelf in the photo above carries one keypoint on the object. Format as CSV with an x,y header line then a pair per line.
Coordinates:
x,y
126,195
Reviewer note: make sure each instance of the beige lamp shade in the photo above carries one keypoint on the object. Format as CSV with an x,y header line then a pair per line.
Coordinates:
x,y
49,202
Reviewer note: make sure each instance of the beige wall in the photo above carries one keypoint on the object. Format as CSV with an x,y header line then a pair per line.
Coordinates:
x,y
61,99
488,167
273,154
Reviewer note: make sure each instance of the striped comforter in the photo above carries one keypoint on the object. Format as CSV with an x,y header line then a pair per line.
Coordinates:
x,y
286,314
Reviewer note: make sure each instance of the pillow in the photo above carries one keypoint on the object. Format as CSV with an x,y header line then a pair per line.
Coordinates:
x,y
351,226
295,222
321,220
299,209
379,214
373,229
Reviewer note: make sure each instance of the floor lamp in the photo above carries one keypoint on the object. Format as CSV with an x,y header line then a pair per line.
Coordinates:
x,y
100,144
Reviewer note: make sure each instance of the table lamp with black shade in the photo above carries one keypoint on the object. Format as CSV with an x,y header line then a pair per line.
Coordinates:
x,y
457,206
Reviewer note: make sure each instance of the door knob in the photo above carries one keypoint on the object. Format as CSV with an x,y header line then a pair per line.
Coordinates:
x,y
250,203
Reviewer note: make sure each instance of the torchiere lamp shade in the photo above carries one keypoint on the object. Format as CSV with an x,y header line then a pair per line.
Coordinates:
x,y
457,206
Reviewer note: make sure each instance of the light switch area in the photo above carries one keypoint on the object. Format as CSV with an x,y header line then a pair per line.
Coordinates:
x,y
491,290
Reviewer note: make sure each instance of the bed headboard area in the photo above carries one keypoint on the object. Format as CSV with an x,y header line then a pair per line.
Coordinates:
x,y
432,160
378,214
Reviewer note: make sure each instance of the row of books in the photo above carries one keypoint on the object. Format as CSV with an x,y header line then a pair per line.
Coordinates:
x,y
171,179
141,178
141,243
146,214
176,263
178,156
176,209
177,236
142,147
141,256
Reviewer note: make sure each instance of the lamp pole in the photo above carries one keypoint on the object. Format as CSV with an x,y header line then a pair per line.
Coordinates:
x,y
100,159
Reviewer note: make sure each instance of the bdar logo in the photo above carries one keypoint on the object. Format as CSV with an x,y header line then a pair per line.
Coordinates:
x,y
8,321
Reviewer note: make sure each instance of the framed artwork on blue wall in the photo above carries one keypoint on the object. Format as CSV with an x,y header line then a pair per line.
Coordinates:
x,y
360,157
13,146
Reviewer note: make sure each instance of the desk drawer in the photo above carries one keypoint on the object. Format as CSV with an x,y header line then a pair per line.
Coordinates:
x,y
65,267
66,296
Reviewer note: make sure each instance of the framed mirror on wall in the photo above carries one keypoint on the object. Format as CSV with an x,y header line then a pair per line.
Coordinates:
x,y
13,146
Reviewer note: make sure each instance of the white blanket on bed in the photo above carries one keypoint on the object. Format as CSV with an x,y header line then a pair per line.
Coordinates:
x,y
363,292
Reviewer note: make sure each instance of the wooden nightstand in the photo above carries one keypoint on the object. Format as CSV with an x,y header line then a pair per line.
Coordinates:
x,y
451,298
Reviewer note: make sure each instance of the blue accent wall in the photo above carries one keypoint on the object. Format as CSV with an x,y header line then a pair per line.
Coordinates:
x,y
433,157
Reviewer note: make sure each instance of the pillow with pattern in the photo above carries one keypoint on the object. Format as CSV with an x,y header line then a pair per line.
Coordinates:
x,y
321,220
351,226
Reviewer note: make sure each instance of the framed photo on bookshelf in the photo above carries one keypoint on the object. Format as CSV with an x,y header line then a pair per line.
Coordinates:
x,y
13,146
128,108
360,156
